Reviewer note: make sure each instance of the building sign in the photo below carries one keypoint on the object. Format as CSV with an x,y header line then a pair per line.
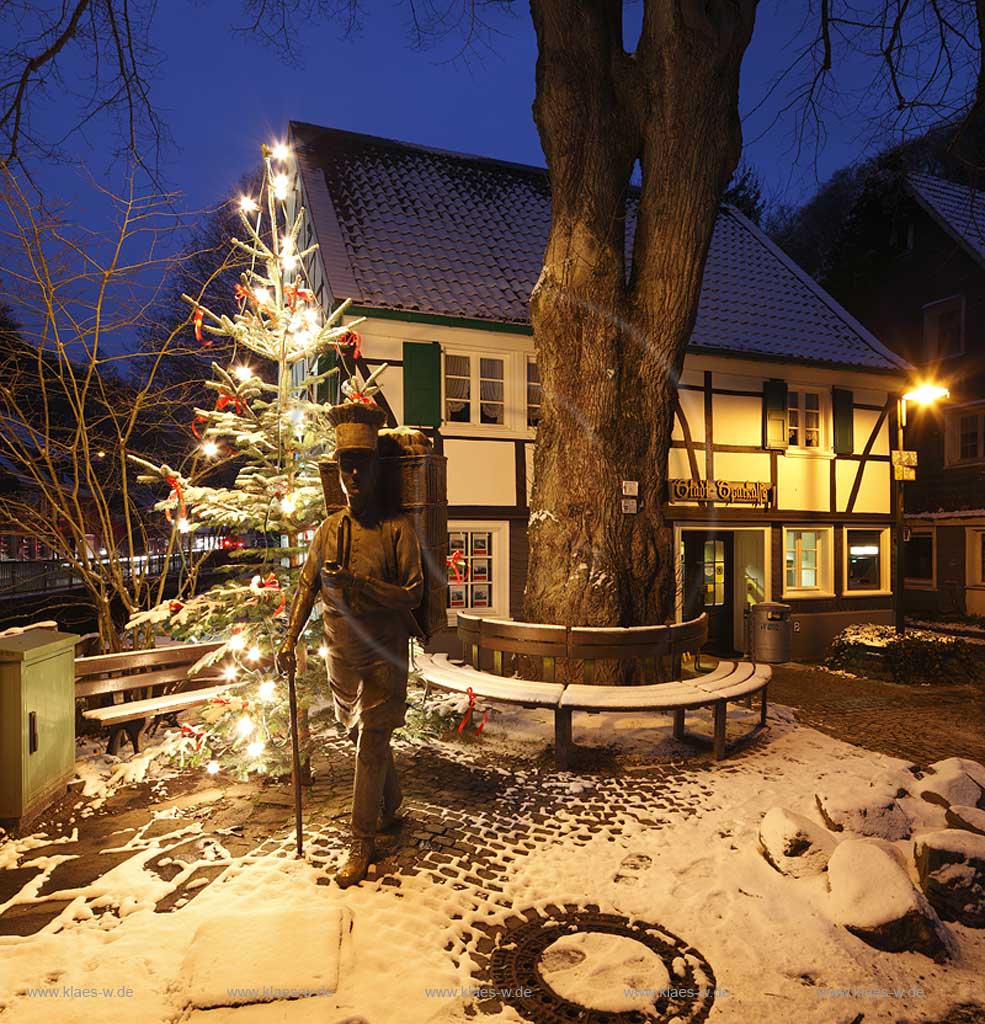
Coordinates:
x,y
753,492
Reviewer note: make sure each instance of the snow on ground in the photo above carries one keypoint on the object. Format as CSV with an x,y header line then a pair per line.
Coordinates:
x,y
776,952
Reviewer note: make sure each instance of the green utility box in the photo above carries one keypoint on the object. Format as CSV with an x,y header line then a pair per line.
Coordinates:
x,y
37,722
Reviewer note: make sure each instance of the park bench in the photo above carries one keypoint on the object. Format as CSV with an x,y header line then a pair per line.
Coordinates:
x,y
497,641
138,686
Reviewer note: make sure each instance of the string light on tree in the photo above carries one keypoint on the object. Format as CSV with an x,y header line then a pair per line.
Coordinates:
x,y
245,726
268,424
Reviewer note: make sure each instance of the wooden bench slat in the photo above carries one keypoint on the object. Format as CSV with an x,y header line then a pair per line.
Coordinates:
x,y
179,654
621,651
652,697
137,680
135,709
741,671
437,669
522,645
508,629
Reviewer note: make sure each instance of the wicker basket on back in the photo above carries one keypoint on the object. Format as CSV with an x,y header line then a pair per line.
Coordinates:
x,y
414,481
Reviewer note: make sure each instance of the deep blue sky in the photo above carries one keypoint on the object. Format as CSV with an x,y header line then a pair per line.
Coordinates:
x,y
222,93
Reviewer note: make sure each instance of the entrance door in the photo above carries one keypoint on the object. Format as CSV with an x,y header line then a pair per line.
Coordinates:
x,y
708,584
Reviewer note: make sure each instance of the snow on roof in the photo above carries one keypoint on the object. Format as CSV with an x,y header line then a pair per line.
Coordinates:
x,y
958,209
404,227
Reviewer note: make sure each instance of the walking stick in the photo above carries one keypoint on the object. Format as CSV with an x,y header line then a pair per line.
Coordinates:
x,y
296,745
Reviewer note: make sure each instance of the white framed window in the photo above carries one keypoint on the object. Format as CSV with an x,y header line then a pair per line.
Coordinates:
x,y
808,561
805,419
479,551
475,389
866,560
533,392
920,558
964,435
943,328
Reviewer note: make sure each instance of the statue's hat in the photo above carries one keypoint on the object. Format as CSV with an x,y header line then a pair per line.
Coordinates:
x,y
357,426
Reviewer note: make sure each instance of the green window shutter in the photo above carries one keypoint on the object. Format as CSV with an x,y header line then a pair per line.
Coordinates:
x,y
327,390
843,414
774,414
422,384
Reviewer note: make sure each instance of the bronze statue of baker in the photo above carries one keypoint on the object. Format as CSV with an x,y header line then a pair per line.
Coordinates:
x,y
366,566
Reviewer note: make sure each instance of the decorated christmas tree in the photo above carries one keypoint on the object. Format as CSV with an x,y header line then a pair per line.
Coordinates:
x,y
274,436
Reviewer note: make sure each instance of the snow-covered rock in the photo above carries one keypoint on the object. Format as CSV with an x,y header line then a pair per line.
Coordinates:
x,y
951,864
869,811
971,819
972,769
265,955
793,844
872,896
954,781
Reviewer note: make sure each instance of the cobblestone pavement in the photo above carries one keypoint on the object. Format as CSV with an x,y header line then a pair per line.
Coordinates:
x,y
469,815
919,723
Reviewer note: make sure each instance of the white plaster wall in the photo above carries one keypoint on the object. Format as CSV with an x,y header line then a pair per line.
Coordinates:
x,y
741,466
803,483
480,472
865,420
678,467
873,493
693,404
737,420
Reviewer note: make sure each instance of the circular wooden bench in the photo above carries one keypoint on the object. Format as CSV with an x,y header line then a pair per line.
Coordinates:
x,y
496,641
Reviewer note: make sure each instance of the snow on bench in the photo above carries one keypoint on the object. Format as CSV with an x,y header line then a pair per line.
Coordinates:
x,y
728,682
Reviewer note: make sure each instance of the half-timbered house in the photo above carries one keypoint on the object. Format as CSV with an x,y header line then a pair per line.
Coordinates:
x,y
779,478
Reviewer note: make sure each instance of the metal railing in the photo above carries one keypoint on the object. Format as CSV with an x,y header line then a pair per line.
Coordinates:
x,y
46,575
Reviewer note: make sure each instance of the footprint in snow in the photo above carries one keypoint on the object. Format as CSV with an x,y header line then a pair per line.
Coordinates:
x,y
631,867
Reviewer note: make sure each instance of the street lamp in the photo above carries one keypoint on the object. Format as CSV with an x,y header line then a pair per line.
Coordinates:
x,y
905,468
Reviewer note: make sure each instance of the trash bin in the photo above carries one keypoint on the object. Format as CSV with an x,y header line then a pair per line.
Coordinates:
x,y
37,722
771,632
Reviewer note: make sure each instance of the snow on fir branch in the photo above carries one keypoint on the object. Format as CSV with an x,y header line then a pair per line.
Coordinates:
x,y
275,435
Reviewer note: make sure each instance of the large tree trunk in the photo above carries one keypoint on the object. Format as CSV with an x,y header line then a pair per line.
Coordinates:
x,y
610,339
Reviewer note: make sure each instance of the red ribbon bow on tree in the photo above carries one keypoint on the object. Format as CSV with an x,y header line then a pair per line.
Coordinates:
x,y
468,714
177,494
197,318
452,560
242,295
223,400
351,340
198,734
292,293
270,583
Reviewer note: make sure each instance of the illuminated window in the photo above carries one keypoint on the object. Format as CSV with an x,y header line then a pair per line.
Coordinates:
x,y
804,419
714,573
471,552
864,559
469,376
807,560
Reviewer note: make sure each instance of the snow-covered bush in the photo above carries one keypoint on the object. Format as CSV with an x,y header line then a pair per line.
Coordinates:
x,y
918,656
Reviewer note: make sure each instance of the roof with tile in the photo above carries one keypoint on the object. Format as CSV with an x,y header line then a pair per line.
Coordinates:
x,y
404,227
958,209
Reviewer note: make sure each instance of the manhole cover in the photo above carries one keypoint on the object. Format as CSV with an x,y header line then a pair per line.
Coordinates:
x,y
595,968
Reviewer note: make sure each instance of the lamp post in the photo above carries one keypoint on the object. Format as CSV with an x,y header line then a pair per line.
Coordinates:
x,y
903,470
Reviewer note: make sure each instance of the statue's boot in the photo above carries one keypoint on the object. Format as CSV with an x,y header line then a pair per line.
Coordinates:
x,y
354,869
